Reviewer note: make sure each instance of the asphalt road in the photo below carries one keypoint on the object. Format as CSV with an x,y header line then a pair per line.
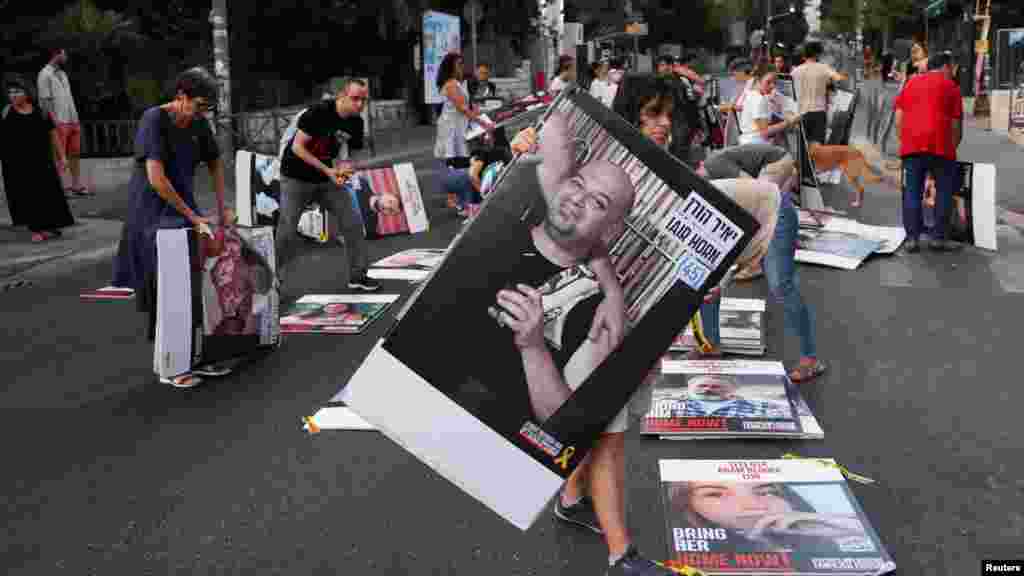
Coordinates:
x,y
108,472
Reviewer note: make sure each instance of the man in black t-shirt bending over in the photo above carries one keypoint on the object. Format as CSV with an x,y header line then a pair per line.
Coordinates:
x,y
308,169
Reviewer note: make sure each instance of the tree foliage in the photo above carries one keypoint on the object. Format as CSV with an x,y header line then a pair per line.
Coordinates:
x,y
844,16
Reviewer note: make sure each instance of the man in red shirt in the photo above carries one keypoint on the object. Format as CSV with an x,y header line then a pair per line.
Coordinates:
x,y
929,111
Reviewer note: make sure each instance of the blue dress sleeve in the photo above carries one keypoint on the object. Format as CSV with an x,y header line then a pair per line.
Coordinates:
x,y
149,139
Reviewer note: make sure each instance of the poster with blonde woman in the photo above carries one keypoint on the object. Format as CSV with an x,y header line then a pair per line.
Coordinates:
x,y
216,298
768,517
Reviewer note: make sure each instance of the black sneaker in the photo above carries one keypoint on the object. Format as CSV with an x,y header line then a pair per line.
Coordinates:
x,y
212,370
364,283
581,514
633,564
913,246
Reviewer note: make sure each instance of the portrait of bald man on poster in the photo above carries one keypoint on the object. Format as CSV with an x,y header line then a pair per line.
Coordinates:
x,y
571,250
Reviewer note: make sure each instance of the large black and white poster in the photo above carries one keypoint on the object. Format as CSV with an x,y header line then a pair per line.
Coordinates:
x,y
460,380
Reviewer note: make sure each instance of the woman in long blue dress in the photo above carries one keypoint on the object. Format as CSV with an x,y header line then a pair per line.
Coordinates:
x,y
171,141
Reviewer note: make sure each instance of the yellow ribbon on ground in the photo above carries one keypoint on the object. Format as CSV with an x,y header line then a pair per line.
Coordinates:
x,y
310,425
829,464
703,344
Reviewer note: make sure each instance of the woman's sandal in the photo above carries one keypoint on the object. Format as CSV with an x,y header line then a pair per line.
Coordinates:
x,y
182,381
38,237
83,192
807,372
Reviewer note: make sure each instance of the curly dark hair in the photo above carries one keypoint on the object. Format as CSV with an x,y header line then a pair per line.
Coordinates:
x,y
637,91
446,71
197,83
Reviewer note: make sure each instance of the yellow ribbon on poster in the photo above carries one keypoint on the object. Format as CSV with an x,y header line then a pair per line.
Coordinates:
x,y
828,464
310,425
563,460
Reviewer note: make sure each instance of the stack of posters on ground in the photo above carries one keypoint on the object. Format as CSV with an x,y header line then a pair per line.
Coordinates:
x,y
890,238
466,406
108,293
216,299
727,399
834,249
741,328
258,198
831,240
753,517
335,313
413,265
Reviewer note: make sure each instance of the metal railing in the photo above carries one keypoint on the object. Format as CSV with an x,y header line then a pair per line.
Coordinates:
x,y
257,131
108,138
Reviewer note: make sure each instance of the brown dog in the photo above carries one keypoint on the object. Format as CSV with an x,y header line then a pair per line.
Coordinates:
x,y
848,159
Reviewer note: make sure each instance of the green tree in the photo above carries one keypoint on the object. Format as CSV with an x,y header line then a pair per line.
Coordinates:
x,y
841,17
95,39
844,16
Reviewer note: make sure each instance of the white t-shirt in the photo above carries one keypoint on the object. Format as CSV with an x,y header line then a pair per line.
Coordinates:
x,y
604,91
53,83
756,106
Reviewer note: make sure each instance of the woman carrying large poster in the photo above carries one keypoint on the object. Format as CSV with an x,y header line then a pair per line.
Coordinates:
x,y
533,389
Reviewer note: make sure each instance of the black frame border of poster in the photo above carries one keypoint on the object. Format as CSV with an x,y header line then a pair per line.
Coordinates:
x,y
602,391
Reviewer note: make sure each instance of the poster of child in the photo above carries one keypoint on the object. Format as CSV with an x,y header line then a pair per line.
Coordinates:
x,y
237,284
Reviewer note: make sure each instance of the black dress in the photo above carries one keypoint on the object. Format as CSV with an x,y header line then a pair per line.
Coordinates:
x,y
35,194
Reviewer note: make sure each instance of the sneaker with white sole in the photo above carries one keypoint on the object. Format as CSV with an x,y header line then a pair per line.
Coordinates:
x,y
633,564
212,370
364,283
581,514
